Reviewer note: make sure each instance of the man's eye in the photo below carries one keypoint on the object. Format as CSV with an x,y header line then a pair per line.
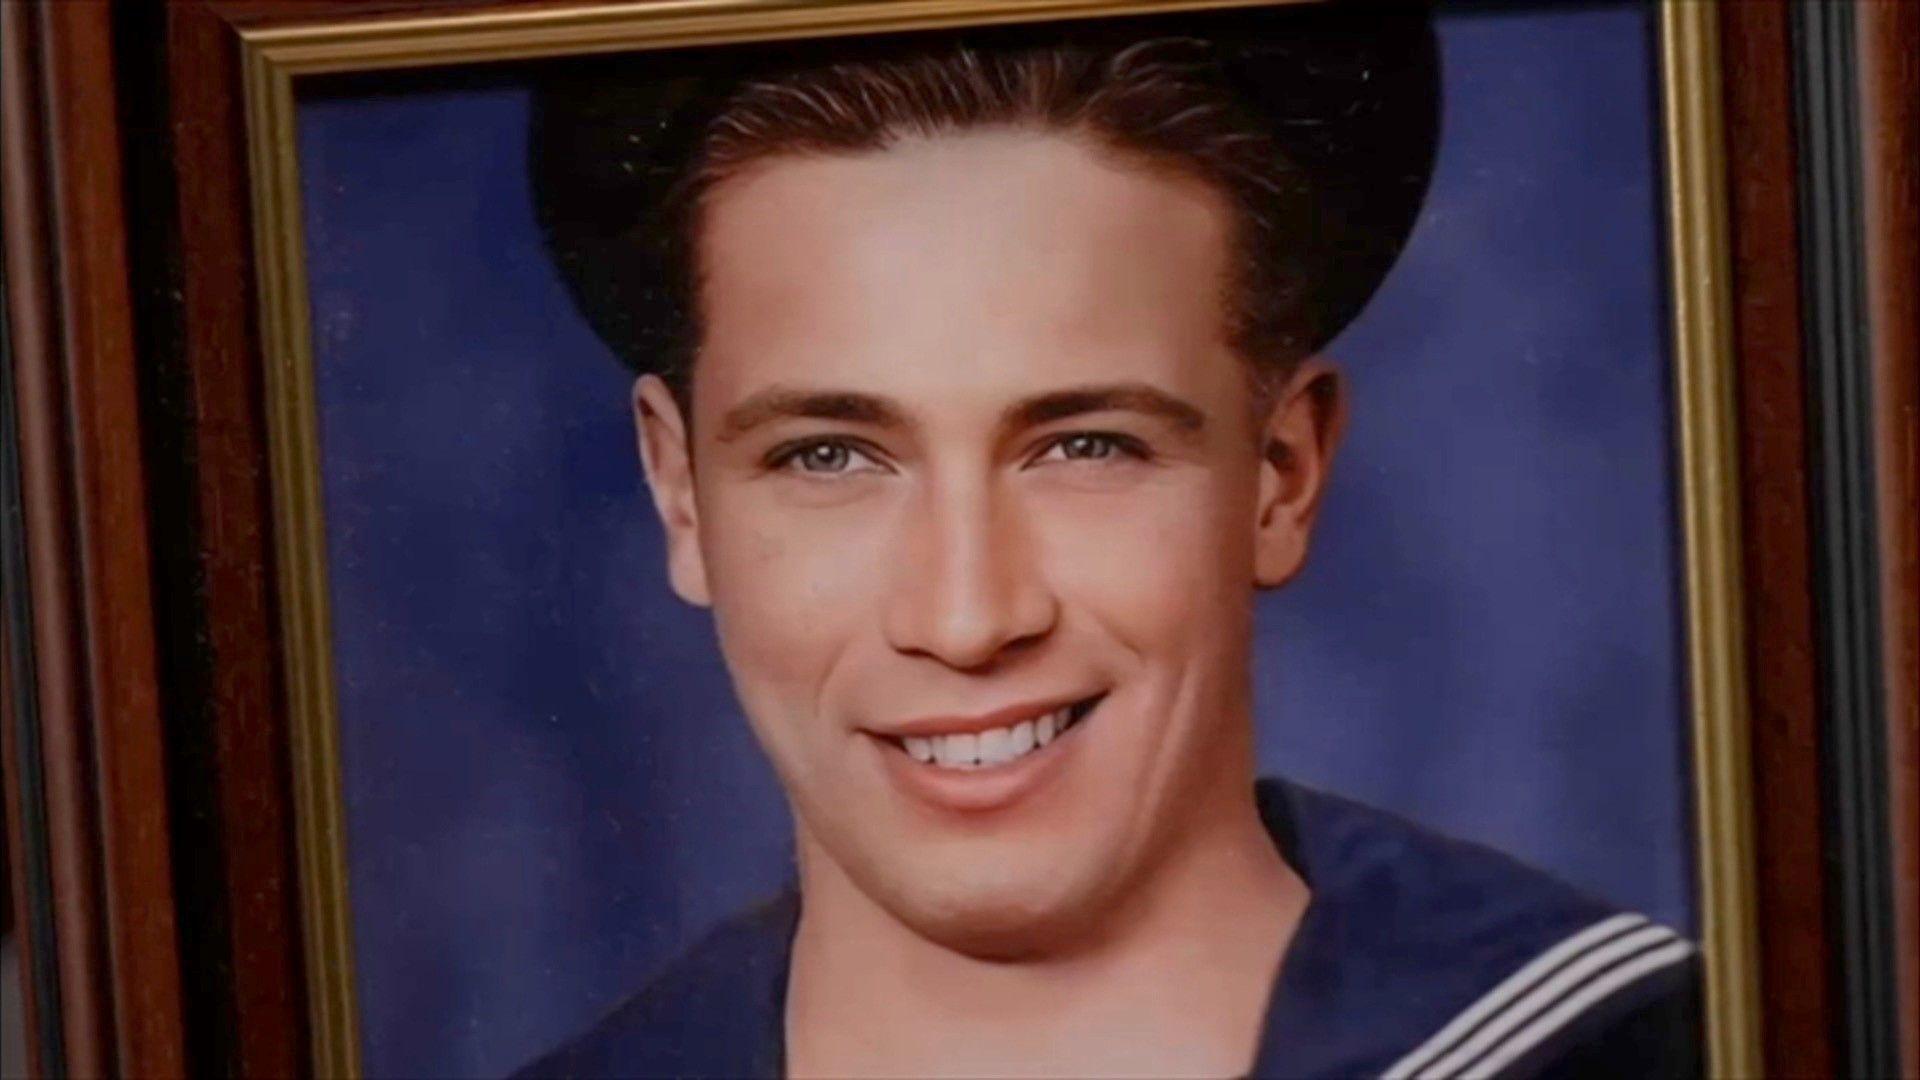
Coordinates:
x,y
823,457
1092,446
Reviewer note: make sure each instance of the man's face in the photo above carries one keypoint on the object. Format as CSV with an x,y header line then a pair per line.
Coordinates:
x,y
979,496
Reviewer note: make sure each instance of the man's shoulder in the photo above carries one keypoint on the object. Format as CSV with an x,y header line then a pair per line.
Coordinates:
x,y
1427,955
713,1011
1355,854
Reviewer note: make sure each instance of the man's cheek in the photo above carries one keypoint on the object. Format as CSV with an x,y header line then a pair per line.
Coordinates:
x,y
789,594
1151,559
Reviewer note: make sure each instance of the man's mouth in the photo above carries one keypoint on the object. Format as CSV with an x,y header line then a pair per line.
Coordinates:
x,y
995,746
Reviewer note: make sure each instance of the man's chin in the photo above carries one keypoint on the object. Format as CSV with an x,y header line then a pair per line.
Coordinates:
x,y
994,918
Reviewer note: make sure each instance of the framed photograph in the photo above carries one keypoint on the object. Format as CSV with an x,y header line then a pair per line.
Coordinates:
x,y
1140,537
543,790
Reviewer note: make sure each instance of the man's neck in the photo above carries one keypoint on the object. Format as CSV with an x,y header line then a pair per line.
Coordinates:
x,y
1181,989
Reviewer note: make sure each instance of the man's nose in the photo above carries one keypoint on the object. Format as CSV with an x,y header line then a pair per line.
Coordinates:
x,y
966,585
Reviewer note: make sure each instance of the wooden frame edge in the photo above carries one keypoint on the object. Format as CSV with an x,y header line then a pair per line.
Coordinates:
x,y
516,32
237,859
1889,88
1708,466
300,553
1838,336
1777,547
21,781
84,499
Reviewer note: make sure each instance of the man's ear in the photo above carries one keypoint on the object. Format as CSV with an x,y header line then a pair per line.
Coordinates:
x,y
1297,440
667,456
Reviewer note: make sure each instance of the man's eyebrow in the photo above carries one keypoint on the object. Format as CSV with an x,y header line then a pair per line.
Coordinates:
x,y
781,402
1123,397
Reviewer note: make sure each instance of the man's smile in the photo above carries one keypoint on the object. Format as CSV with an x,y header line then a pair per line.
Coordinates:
x,y
991,740
983,762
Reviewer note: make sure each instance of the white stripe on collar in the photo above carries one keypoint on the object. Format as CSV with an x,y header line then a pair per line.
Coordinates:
x,y
1542,997
1579,1002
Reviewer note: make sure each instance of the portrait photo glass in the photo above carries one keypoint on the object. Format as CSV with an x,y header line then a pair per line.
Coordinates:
x,y
788,506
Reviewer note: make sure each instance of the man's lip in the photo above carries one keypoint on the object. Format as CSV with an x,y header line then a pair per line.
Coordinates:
x,y
963,725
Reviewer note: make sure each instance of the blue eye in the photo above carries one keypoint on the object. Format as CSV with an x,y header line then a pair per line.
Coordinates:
x,y
1093,446
822,457
1087,446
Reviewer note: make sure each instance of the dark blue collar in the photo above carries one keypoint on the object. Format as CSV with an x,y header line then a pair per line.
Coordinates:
x,y
1405,930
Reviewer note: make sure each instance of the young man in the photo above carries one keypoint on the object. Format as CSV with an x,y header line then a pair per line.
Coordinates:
x,y
978,391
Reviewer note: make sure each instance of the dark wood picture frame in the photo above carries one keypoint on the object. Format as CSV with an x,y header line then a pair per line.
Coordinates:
x,y
150,806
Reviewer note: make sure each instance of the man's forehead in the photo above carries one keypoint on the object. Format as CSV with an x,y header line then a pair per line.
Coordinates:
x,y
982,256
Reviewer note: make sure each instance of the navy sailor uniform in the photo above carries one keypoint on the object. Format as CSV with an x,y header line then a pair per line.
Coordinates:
x,y
1418,956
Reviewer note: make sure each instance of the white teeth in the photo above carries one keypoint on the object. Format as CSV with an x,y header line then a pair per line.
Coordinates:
x,y
1022,738
962,750
995,746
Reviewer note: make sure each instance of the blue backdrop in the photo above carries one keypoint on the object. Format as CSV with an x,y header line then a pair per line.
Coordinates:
x,y
549,787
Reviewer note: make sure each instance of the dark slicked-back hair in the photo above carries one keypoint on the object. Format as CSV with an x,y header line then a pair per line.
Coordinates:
x,y
1317,127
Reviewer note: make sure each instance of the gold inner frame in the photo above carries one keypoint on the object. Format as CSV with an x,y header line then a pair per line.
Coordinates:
x,y
1704,422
